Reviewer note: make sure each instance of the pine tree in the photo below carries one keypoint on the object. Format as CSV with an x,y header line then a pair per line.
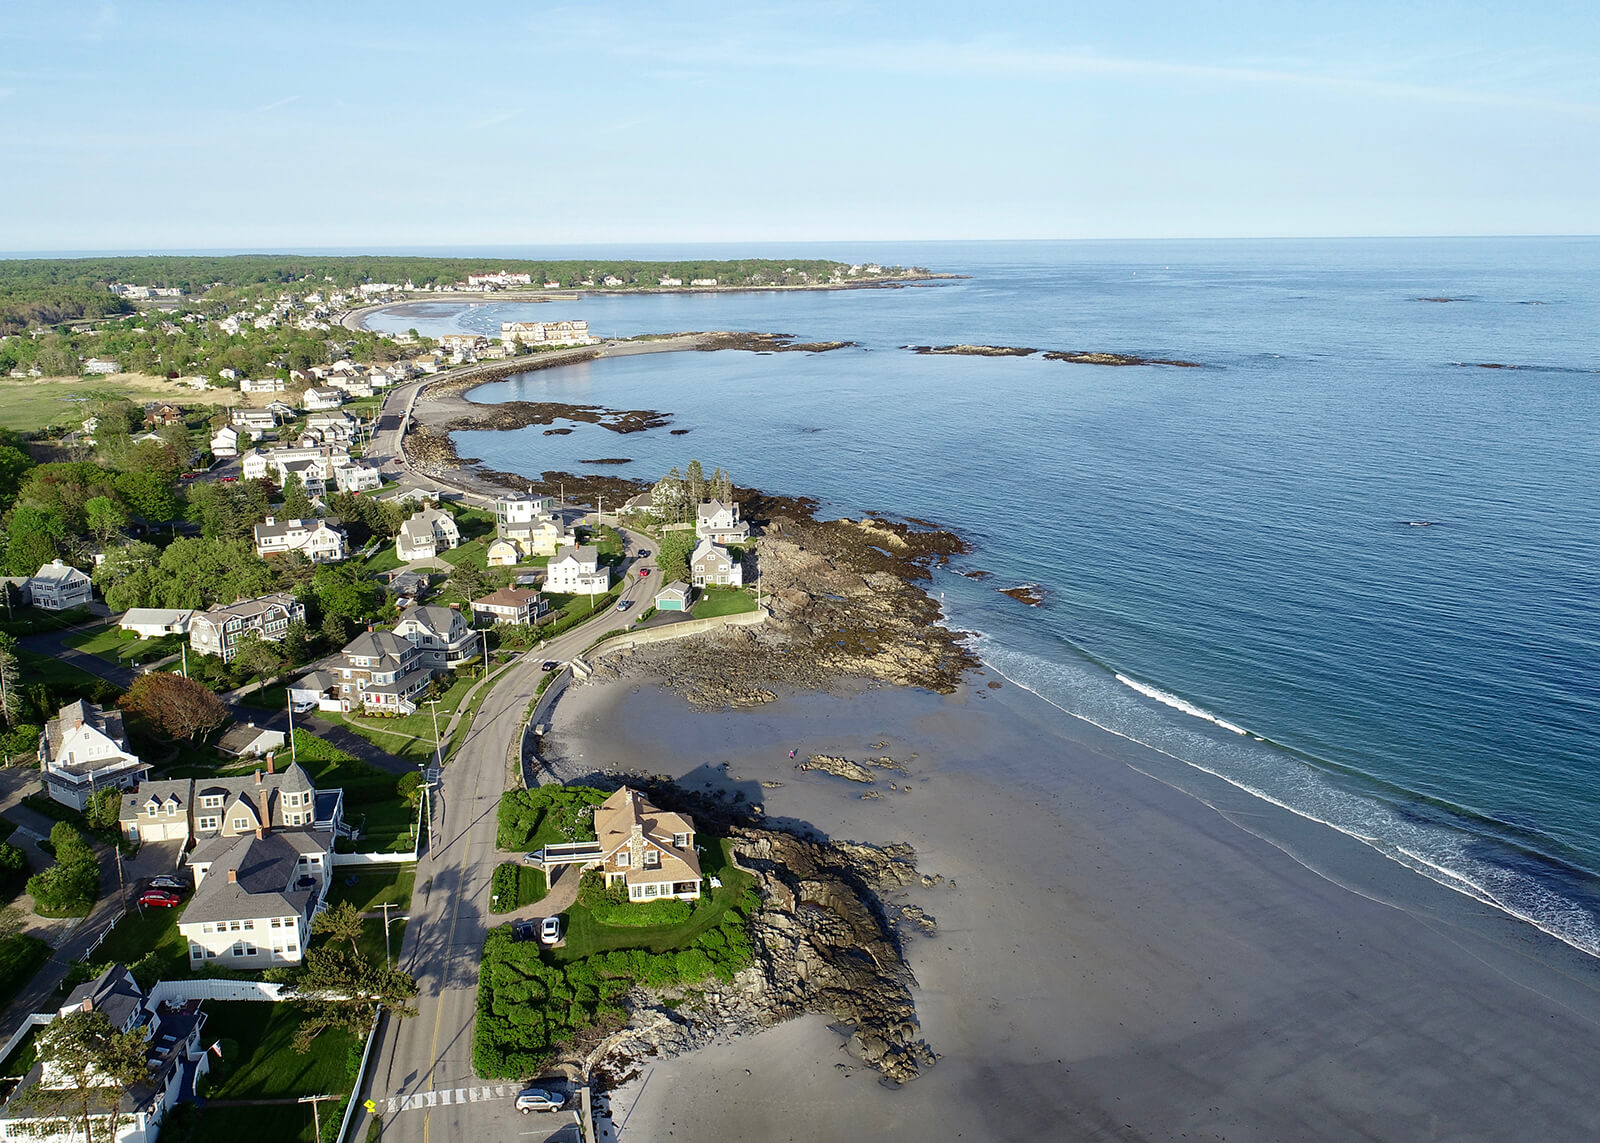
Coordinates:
x,y
296,500
696,480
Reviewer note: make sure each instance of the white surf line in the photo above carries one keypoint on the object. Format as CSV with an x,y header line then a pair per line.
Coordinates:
x,y
422,1100
1371,843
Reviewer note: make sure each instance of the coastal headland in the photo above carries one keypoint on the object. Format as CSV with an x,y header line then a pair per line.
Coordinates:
x,y
1100,941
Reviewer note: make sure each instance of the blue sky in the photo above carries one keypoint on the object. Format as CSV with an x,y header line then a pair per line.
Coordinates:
x,y
158,125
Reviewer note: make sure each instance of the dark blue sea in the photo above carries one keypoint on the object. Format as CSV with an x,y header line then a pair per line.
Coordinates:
x,y
1343,566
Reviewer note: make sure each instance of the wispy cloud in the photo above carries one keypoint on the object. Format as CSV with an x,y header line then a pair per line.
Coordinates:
x,y
273,106
493,120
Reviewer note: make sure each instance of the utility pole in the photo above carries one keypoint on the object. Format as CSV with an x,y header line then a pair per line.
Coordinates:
x,y
483,638
313,1100
289,703
184,647
438,747
386,906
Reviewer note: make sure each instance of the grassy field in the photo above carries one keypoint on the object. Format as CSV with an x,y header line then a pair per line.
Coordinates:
x,y
44,401
475,553
391,884
259,1062
715,601
383,560
586,936
123,648
410,736
153,931
63,680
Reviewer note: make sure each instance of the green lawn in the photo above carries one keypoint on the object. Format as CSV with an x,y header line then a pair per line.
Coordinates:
x,y
274,698
410,736
516,885
23,1057
715,601
386,826
20,957
475,553
120,647
62,680
390,884
383,560
585,935
137,935
464,727
259,1062
29,621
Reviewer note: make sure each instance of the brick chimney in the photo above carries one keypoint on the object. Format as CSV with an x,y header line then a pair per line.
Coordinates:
x,y
261,832
270,763
87,1005
636,847
258,777
233,877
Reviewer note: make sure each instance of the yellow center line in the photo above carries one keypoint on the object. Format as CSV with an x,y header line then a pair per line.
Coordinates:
x,y
438,1011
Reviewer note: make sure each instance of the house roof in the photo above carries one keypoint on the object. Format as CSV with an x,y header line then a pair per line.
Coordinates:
x,y
260,797
615,818
248,608
677,589
432,618
319,681
265,868
161,616
706,550
377,645
107,722
583,553
114,992
241,736
57,570
508,597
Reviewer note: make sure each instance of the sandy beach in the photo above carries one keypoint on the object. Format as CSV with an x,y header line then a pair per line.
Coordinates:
x,y
1126,948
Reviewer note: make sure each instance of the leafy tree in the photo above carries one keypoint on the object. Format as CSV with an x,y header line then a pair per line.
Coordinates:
x,y
335,630
672,555
345,591
335,969
90,1063
695,480
33,539
175,706
72,883
130,575
14,465
150,495
103,809
469,579
296,500
10,681
106,519
259,656
297,643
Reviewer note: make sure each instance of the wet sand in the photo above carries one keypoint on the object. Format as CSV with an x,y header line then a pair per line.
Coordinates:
x,y
1130,949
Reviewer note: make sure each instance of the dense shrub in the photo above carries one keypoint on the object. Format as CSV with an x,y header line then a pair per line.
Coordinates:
x,y
515,885
68,887
553,813
528,1007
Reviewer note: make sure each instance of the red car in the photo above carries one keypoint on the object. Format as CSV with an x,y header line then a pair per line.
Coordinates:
x,y
643,572
160,898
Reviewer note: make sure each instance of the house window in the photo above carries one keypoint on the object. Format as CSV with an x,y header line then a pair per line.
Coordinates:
x,y
241,823
150,811
635,891
277,922
234,926
650,890
172,808
680,840
196,953
206,928
212,802
652,858
249,926
208,823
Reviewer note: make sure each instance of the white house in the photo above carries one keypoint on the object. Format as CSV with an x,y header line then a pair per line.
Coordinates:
x,y
673,597
259,419
441,634
320,541
542,333
101,366
173,1058
576,570
328,398
260,384
353,476
84,750
247,740
225,442
710,564
514,508
517,606
720,522
428,532
59,586
154,622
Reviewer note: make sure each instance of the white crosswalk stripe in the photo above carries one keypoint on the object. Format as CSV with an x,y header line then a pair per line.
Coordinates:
x,y
422,1100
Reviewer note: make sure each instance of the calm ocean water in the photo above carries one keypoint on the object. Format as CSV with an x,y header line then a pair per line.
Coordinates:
x,y
1230,556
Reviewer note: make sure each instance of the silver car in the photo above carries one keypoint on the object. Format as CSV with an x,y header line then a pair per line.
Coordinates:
x,y
537,1099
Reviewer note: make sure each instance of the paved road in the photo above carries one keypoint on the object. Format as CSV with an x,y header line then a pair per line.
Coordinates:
x,y
429,1057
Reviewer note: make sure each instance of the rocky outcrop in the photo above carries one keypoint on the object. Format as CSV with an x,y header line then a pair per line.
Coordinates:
x,y
845,602
823,943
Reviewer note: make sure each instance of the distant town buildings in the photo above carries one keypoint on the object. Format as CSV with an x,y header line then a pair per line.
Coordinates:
x,y
503,278
320,541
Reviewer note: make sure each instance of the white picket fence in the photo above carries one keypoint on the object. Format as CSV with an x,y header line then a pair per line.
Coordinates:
x,y
374,858
29,1023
